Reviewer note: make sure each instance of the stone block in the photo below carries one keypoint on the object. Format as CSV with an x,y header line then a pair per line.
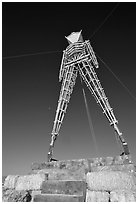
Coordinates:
x,y
108,161
63,164
58,198
102,161
123,167
68,175
122,196
108,181
62,174
97,196
64,187
30,182
35,192
11,195
10,181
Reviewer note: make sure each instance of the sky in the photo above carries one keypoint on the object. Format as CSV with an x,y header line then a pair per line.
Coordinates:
x,y
33,38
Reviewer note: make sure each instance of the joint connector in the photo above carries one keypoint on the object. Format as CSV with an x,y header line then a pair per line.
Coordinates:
x,y
96,66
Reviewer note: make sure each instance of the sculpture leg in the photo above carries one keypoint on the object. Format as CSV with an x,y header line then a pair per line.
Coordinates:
x,y
66,90
90,78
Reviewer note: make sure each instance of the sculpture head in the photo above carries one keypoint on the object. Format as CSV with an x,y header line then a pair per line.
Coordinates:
x,y
74,37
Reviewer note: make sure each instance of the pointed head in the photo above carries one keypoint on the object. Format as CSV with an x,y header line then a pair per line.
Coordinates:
x,y
74,37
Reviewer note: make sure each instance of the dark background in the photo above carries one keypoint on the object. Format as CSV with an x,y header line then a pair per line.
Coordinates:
x,y
31,87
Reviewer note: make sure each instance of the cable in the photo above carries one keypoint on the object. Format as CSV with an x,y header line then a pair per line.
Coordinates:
x,y
103,22
116,77
31,54
90,121
50,52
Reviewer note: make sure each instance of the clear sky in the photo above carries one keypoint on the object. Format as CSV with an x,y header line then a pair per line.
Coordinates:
x,y
31,88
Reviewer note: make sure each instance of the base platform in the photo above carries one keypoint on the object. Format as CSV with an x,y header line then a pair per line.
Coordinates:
x,y
109,179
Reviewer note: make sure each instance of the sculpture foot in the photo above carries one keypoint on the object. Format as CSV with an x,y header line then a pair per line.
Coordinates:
x,y
53,160
123,153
